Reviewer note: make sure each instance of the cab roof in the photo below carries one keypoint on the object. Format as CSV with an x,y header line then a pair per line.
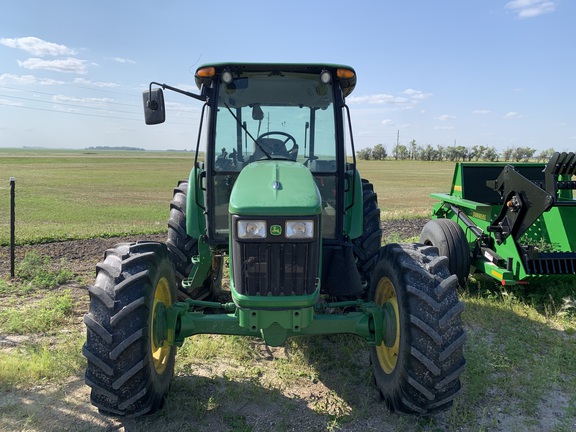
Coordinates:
x,y
347,83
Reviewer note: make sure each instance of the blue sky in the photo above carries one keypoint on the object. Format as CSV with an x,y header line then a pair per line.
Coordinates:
x,y
484,72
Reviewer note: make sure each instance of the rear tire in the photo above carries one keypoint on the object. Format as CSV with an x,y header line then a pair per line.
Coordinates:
x,y
129,370
182,247
448,237
367,246
419,372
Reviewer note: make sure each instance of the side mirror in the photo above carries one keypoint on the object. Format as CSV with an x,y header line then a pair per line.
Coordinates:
x,y
154,109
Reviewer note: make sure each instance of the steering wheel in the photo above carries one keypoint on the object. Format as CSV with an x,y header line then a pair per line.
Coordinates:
x,y
279,149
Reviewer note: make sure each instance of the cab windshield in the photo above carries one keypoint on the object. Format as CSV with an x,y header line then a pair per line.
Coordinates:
x,y
275,116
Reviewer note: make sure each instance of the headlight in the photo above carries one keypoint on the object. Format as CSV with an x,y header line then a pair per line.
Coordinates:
x,y
249,229
300,229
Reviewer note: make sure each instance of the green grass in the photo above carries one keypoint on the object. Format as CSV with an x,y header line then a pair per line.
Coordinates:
x,y
516,357
63,195
39,271
73,194
22,315
403,187
44,360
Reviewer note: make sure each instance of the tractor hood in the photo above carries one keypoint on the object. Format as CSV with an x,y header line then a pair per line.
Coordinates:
x,y
275,188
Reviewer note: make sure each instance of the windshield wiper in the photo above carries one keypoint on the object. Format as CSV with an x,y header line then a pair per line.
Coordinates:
x,y
243,126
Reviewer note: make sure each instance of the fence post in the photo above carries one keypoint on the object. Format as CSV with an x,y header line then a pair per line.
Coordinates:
x,y
12,223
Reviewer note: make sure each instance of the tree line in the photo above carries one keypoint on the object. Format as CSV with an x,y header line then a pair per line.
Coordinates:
x,y
413,151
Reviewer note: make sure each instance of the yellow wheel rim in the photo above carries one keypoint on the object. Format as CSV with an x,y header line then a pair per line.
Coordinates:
x,y
388,356
160,353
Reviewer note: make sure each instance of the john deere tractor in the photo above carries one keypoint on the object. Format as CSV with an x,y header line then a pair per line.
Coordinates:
x,y
277,201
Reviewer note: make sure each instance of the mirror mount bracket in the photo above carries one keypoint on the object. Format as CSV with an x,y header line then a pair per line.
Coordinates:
x,y
177,90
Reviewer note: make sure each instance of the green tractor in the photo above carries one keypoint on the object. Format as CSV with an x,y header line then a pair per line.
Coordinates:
x,y
278,203
511,221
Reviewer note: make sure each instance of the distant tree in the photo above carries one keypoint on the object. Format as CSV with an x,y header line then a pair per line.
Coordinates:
x,y
379,152
478,152
507,154
451,154
413,149
490,154
457,153
440,153
545,155
523,153
427,153
463,153
364,154
400,152
528,153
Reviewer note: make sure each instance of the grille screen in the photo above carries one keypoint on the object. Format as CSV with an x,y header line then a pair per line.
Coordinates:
x,y
262,269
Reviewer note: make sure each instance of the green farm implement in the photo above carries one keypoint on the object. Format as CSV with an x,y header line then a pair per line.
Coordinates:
x,y
514,222
277,202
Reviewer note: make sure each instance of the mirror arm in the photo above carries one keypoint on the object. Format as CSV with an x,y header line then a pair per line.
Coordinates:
x,y
174,89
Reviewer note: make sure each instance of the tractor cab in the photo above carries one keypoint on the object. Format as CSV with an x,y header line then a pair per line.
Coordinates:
x,y
276,115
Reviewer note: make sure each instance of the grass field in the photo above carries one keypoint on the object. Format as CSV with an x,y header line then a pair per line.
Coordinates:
x,y
64,195
521,348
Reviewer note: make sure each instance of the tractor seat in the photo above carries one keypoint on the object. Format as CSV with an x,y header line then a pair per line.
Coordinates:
x,y
274,147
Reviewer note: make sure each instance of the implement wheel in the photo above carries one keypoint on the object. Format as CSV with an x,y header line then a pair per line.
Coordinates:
x,y
130,365
417,369
448,237
182,247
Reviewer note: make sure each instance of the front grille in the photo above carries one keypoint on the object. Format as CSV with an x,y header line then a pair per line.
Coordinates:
x,y
275,268
552,263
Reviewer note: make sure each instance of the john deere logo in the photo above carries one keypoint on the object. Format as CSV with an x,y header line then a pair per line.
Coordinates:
x,y
275,230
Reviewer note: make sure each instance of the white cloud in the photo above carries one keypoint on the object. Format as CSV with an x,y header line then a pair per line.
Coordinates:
x,y
377,99
10,103
387,122
513,115
26,80
417,94
63,98
90,83
446,117
409,99
531,8
66,109
68,65
37,47
444,128
123,60
481,111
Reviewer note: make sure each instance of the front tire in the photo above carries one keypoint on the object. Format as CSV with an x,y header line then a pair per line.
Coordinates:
x,y
418,370
182,247
130,366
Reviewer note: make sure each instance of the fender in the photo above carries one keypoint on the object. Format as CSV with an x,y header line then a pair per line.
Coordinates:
x,y
195,219
354,217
